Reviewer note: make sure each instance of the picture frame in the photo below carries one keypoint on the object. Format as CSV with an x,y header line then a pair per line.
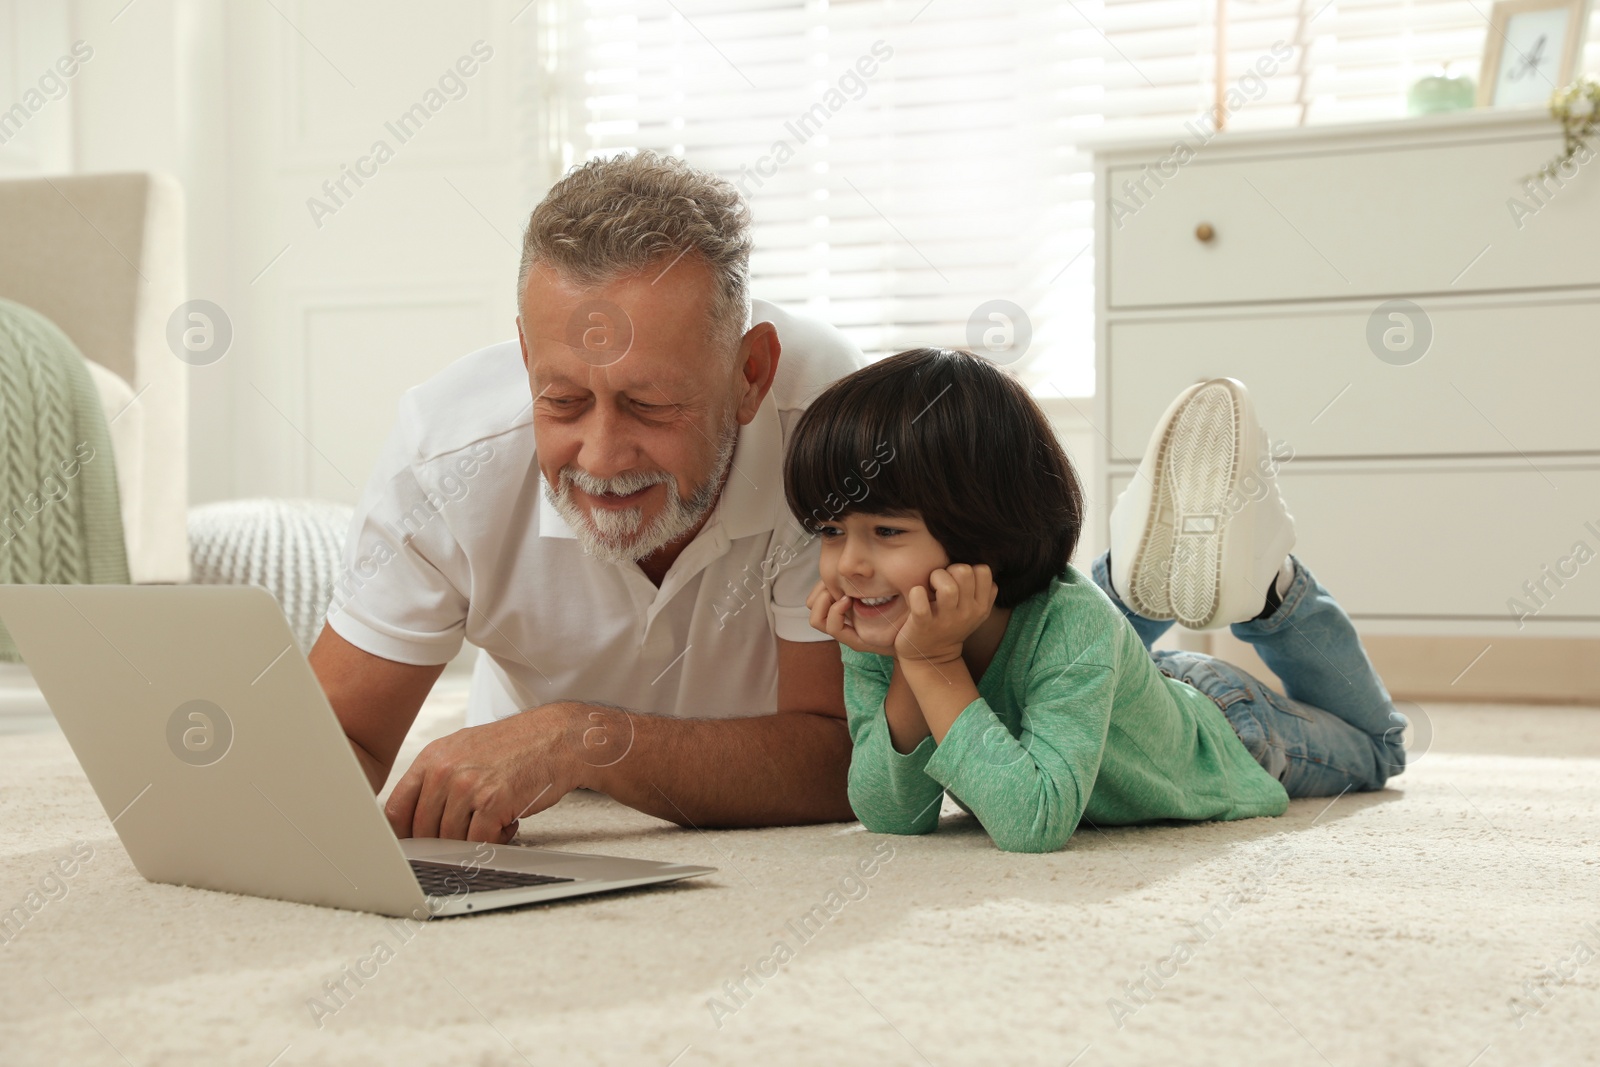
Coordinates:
x,y
1533,49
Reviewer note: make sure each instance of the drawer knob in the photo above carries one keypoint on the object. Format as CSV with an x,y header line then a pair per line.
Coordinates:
x,y
1204,232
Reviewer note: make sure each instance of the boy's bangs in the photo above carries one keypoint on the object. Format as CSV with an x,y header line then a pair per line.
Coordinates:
x,y
844,463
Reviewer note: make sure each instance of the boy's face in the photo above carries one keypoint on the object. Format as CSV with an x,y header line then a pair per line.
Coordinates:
x,y
871,557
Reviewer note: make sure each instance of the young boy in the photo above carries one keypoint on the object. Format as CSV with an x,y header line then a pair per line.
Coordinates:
x,y
979,662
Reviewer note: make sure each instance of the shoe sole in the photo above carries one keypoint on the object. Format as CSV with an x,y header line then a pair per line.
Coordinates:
x,y
1177,572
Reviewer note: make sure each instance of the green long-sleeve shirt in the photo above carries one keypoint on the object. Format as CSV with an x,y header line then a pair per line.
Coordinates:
x,y
1072,721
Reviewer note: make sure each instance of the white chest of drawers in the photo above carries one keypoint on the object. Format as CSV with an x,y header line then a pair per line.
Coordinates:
x,y
1455,493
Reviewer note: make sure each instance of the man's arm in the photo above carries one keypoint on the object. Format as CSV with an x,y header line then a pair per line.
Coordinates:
x,y
766,770
376,699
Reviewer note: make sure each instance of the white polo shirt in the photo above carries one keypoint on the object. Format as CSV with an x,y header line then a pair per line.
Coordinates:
x,y
454,540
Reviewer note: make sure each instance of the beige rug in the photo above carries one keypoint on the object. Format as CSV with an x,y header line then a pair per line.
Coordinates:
x,y
1453,920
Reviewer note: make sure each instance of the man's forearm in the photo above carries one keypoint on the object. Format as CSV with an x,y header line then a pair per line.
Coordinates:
x,y
767,770
374,769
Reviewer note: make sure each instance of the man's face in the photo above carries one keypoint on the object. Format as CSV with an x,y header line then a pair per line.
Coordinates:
x,y
636,406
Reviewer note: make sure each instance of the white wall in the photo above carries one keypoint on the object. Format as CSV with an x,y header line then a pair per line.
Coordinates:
x,y
36,97
253,107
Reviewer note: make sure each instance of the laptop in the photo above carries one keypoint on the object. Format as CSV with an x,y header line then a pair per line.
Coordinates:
x,y
222,766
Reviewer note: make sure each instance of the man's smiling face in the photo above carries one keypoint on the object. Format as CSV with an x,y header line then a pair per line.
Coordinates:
x,y
636,403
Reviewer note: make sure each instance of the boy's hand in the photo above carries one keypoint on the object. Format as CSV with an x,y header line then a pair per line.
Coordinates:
x,y
934,631
832,617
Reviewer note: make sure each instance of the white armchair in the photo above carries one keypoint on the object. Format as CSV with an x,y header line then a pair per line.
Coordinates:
x,y
102,255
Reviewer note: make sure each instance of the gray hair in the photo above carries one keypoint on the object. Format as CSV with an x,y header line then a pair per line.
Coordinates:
x,y
609,218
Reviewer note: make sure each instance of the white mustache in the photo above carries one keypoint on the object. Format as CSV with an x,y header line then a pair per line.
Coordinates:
x,y
620,485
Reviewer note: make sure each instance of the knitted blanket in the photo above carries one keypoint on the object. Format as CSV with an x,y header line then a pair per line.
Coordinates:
x,y
60,517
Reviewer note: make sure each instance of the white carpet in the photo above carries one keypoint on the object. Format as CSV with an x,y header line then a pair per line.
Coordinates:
x,y
1391,928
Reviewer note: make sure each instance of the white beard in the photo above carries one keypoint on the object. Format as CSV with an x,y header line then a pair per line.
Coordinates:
x,y
619,535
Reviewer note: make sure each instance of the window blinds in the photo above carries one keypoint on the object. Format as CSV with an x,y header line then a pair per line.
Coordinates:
x,y
910,161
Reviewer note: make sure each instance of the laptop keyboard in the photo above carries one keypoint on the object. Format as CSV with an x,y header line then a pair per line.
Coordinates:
x,y
452,879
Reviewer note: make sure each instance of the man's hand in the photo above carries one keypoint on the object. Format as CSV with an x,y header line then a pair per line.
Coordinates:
x,y
832,617
935,631
475,784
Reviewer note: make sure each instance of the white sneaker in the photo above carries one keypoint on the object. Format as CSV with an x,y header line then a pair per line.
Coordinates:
x,y
1201,533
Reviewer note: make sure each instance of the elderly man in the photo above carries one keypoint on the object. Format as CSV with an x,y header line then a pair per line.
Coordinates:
x,y
602,514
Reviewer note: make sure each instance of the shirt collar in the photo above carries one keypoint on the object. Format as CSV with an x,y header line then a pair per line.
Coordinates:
x,y
752,496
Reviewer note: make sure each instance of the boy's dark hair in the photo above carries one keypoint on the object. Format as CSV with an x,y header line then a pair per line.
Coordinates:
x,y
949,435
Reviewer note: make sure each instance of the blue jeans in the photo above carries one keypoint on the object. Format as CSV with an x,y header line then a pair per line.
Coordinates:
x,y
1333,728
